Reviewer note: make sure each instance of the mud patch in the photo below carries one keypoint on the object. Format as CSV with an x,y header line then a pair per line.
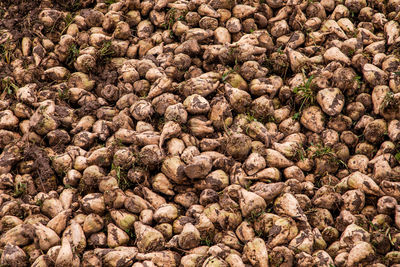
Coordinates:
x,y
45,179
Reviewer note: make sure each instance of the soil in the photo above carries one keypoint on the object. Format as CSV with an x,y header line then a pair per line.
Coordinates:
x,y
45,179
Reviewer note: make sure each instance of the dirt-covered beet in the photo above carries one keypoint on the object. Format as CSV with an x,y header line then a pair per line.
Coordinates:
x,y
199,133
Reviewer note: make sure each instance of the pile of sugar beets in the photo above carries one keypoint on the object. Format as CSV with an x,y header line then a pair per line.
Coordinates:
x,y
208,133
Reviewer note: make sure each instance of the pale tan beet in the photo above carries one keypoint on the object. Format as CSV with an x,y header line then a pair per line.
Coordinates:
x,y
47,238
313,119
148,239
287,204
75,235
331,100
361,181
276,159
65,255
256,252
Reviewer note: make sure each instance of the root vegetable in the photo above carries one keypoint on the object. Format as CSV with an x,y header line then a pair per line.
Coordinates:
x,y
136,204
304,241
19,235
173,168
281,231
322,258
92,224
59,222
76,237
251,203
256,252
199,133
349,237
189,237
361,252
65,255
313,119
170,129
254,163
93,203
120,256
148,238
357,180
374,75
276,159
287,204
331,100
115,236
47,238
199,167
267,191
13,256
